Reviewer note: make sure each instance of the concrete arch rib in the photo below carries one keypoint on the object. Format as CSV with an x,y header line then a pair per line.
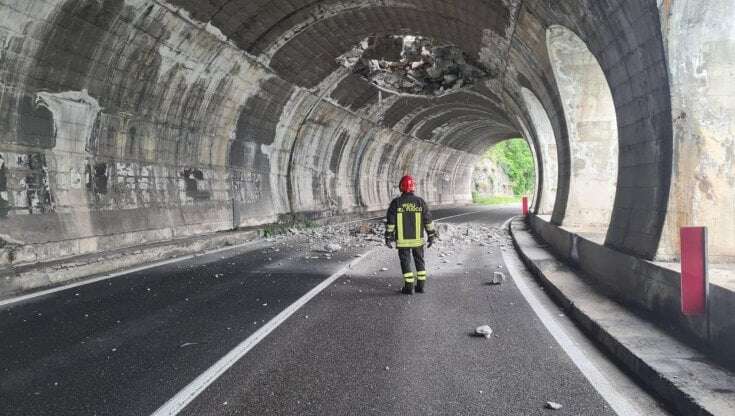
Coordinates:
x,y
548,154
593,134
701,44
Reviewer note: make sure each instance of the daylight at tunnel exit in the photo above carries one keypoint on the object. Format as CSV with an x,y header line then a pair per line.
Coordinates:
x,y
367,207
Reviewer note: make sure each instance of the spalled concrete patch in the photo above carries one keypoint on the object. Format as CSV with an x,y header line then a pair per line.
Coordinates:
x,y
412,65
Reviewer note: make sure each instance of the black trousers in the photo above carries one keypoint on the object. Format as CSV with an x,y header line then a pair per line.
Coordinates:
x,y
418,258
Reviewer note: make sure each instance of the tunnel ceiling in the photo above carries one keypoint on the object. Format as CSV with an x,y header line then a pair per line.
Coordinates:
x,y
313,45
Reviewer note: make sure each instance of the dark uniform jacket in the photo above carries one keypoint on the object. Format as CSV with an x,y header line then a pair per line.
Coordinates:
x,y
408,217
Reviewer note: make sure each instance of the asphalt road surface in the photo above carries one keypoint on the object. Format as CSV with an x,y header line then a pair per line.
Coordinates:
x,y
126,345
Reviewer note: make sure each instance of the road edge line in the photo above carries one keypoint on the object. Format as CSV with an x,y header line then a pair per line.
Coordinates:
x,y
619,403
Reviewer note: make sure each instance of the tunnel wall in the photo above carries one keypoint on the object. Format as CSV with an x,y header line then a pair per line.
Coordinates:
x,y
592,129
126,122
701,51
546,156
624,38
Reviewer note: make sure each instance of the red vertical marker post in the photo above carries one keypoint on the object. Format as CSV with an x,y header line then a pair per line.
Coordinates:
x,y
525,205
693,270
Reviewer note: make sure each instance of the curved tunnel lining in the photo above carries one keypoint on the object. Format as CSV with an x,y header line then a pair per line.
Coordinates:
x,y
547,159
592,129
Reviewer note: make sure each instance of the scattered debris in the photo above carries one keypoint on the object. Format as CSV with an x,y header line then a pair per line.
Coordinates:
x,y
484,331
332,247
384,269
498,278
553,405
187,344
363,228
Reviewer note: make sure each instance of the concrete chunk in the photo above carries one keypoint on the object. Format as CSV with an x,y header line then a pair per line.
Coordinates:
x,y
484,331
553,405
497,279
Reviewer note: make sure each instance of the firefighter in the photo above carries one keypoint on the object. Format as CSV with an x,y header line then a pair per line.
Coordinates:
x,y
408,217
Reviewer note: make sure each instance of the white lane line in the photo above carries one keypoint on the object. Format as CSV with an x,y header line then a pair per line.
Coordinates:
x,y
460,215
182,399
86,281
196,387
620,404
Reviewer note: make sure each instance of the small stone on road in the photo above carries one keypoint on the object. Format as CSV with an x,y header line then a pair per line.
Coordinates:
x,y
484,331
553,405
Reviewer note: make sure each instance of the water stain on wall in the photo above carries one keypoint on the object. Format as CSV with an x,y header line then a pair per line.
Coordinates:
x,y
192,177
97,178
35,124
338,151
77,32
4,204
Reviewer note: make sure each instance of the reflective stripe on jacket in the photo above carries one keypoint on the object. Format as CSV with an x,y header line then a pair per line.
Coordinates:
x,y
408,217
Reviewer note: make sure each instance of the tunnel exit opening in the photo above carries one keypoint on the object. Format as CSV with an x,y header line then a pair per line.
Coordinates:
x,y
505,173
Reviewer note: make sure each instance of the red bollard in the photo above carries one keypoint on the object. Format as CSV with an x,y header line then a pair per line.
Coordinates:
x,y
525,205
693,270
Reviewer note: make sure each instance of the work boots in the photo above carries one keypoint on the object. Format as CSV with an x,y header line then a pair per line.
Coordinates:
x,y
407,288
420,286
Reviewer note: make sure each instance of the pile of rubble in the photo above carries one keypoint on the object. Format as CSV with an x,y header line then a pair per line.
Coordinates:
x,y
325,241
453,237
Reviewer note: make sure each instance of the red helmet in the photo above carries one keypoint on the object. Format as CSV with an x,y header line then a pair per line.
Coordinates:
x,y
407,184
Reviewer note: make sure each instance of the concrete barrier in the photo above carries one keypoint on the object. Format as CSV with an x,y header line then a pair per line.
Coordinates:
x,y
649,288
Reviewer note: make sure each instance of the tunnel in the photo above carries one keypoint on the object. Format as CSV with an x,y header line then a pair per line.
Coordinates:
x,y
129,123
138,121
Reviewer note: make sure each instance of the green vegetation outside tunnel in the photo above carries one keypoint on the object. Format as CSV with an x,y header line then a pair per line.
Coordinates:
x,y
515,175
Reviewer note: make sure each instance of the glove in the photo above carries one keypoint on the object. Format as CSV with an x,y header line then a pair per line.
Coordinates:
x,y
388,243
431,242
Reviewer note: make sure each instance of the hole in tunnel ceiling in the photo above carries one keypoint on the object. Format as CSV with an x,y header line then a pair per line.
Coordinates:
x,y
415,65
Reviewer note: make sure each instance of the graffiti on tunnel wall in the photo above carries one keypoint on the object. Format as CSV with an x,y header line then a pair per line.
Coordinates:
x,y
36,183
24,184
